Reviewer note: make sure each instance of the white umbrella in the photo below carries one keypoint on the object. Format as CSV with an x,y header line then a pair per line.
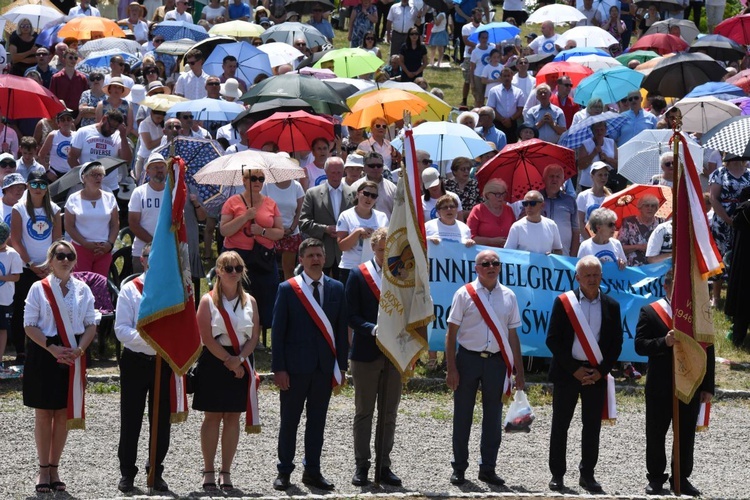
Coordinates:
x,y
557,13
39,15
129,46
587,36
701,114
639,157
227,170
688,31
602,6
281,53
595,62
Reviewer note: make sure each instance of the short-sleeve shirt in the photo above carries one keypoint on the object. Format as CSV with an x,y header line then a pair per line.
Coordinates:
x,y
504,101
546,132
10,263
481,58
587,202
660,241
146,201
238,11
93,146
538,237
611,251
484,223
286,200
564,212
36,234
191,86
80,307
402,18
458,232
348,222
430,209
92,218
173,15
264,217
543,45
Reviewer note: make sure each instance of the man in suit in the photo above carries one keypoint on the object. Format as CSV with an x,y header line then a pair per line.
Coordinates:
x,y
581,361
320,212
654,338
309,356
375,377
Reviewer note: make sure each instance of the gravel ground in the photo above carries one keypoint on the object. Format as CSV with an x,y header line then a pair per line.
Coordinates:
x,y
421,457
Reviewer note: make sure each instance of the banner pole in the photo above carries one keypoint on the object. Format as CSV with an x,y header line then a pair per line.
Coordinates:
x,y
675,402
154,423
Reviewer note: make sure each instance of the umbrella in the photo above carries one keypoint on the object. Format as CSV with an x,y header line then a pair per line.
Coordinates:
x,y
265,109
24,98
214,204
437,109
345,90
595,63
730,136
388,104
281,53
81,28
639,55
208,45
237,29
581,131
320,96
536,61
661,5
720,90
287,32
743,103
99,61
719,47
498,32
688,31
701,114
741,79
625,203
446,141
48,36
121,44
39,15
646,68
601,5
554,70
161,102
227,170
661,43
639,157
350,63
678,75
215,110
175,30
579,51
251,62
60,189
557,13
306,6
609,85
320,74
737,28
587,36
175,47
196,153
291,131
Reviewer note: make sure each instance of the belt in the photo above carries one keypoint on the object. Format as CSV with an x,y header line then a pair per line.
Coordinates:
x,y
481,354
147,357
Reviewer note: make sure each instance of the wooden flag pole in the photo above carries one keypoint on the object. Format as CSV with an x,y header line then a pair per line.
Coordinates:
x,y
675,402
154,423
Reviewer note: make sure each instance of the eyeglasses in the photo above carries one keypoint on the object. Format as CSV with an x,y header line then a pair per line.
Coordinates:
x,y
447,207
300,44
380,125
667,164
427,161
174,127
62,256
152,71
237,269
71,58
374,165
7,164
192,62
497,193
96,78
256,178
213,84
494,263
38,185
530,203
368,194
95,175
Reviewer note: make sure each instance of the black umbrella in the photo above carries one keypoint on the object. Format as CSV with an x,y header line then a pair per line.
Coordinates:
x,y
209,44
536,61
730,136
345,90
677,75
660,5
438,5
262,110
317,94
719,47
306,6
60,189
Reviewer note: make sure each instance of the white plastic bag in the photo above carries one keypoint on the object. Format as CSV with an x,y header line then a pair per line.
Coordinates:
x,y
520,415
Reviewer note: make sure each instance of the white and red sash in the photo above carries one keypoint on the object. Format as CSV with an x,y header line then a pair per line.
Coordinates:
x,y
590,346
304,293
704,415
76,412
372,278
501,337
252,413
178,401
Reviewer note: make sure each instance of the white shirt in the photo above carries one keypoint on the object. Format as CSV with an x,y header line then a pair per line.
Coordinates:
x,y
58,154
316,175
347,222
525,84
241,318
92,218
35,236
543,45
126,80
468,30
229,133
538,237
402,17
491,72
146,201
77,11
608,148
126,317
385,150
609,252
458,232
587,203
191,86
93,146
286,200
386,192
307,280
481,58
10,263
660,240
78,304
591,14
335,195
173,15
153,130
592,311
430,209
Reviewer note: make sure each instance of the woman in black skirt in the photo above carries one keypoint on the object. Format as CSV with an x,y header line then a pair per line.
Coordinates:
x,y
52,352
221,389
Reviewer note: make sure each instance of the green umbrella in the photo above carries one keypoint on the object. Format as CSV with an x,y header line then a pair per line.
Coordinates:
x,y
320,96
639,55
350,63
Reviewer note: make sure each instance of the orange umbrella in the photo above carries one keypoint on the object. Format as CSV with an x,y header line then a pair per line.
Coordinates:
x,y
550,72
625,203
388,104
81,28
646,67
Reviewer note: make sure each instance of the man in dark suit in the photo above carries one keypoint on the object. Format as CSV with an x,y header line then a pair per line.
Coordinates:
x,y
654,338
306,357
575,373
375,377
321,209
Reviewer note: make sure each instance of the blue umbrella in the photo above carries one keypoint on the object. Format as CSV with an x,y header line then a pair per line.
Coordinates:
x,y
446,141
250,61
48,36
215,110
720,90
174,30
581,131
581,51
196,153
609,85
99,61
499,32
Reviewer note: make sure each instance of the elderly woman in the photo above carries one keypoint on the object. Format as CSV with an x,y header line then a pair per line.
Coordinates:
x,y
377,141
54,152
463,185
92,221
603,245
636,229
229,327
22,48
666,177
288,195
447,226
116,92
248,219
53,350
434,188
90,99
591,199
594,107
468,118
490,221
598,148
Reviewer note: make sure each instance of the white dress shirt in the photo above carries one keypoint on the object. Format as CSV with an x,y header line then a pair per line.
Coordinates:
x,y
126,317
191,86
592,311
336,195
78,305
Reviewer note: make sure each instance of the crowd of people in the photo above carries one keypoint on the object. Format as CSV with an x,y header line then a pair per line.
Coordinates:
x,y
304,257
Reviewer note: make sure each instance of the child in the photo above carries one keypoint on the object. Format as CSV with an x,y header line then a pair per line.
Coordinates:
x,y
10,272
491,72
479,59
27,162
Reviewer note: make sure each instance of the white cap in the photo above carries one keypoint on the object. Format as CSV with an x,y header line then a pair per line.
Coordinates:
x,y
430,177
355,160
598,165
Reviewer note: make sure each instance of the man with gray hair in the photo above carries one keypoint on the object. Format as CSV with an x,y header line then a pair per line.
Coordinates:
x,y
534,233
545,116
638,119
585,339
486,128
561,208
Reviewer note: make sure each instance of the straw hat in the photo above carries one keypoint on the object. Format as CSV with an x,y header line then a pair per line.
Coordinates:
x,y
117,81
157,88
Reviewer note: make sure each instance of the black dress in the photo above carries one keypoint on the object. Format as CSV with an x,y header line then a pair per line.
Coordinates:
x,y
413,59
739,274
20,68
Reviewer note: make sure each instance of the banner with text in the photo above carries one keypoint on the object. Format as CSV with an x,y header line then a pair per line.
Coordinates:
x,y
536,280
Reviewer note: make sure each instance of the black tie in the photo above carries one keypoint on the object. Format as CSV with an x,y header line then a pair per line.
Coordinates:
x,y
316,292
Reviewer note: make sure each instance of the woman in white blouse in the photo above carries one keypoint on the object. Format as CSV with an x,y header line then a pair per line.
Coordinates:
x,y
51,354
221,390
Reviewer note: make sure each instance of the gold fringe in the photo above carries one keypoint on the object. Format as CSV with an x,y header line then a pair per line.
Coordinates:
x,y
609,421
76,423
701,428
405,374
506,399
697,381
178,418
252,429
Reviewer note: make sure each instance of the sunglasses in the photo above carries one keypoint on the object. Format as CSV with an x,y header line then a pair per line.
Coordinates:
x,y
192,62
61,256
151,72
368,194
38,185
72,58
96,78
239,269
564,84
256,178
634,98
531,203
494,263
7,164
185,117
498,194
380,125
668,164
213,84
374,165
175,127
300,44
159,113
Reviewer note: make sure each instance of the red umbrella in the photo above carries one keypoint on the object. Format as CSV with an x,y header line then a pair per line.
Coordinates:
x,y
625,202
554,70
661,43
741,79
291,131
24,98
737,28
522,164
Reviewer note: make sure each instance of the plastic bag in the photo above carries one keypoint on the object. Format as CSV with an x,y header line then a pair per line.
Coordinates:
x,y
520,415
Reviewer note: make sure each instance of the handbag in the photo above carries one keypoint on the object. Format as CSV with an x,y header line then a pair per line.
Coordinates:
x,y
260,257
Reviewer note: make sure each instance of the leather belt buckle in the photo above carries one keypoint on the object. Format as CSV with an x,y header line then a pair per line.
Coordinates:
x,y
486,354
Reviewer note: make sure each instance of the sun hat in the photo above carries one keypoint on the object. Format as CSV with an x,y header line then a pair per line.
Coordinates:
x,y
117,81
231,88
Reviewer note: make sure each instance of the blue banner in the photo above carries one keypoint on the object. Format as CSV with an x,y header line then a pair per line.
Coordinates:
x,y
536,280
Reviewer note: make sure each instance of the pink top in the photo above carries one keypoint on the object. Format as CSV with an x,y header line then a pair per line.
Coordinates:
x,y
243,239
484,223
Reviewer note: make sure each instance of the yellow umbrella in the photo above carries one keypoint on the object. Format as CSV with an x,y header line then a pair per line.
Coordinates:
x,y
388,104
81,28
437,109
238,29
162,102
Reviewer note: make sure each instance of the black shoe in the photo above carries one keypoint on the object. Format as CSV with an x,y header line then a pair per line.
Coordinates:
x,y
458,477
654,488
360,477
126,484
160,484
686,488
317,481
281,482
589,484
556,483
489,477
388,477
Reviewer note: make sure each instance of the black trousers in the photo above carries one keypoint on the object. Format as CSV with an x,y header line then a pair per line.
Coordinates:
x,y
382,22
511,133
136,383
658,420
458,40
23,285
564,400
